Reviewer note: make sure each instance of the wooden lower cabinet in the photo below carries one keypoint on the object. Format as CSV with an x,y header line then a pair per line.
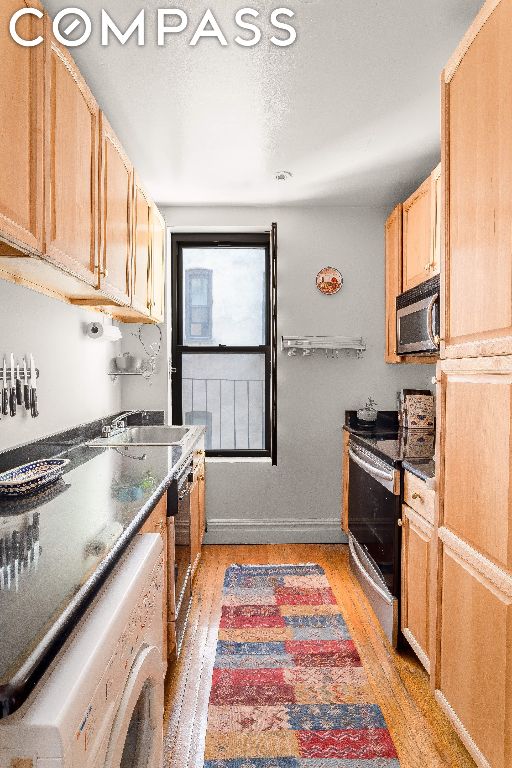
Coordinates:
x,y
345,472
202,504
197,511
472,643
157,523
473,676
171,594
417,538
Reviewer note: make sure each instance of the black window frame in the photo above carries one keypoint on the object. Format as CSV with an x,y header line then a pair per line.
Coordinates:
x,y
264,240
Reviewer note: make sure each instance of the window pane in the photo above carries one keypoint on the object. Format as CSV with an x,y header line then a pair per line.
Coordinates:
x,y
226,393
227,285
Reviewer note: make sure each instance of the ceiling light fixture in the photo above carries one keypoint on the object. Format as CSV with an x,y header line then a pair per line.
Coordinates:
x,y
283,175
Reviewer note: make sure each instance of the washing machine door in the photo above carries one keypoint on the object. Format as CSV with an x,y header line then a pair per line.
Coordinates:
x,y
137,735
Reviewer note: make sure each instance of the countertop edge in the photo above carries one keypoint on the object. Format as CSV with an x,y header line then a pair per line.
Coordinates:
x,y
15,693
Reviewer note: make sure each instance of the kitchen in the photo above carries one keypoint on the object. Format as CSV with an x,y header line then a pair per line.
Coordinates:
x,y
261,308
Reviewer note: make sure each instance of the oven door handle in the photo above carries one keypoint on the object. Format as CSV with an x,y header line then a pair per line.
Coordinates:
x,y
378,474
388,597
387,479
430,320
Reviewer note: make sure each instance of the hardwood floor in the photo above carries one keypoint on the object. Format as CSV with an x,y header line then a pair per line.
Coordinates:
x,y
422,734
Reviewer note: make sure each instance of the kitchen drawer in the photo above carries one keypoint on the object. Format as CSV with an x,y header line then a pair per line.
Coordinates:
x,y
419,497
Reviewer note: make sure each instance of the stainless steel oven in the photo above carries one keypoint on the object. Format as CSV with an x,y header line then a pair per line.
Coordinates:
x,y
375,534
418,319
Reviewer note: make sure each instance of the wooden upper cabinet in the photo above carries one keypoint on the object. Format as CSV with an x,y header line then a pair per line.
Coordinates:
x,y
437,220
141,280
477,159
158,233
115,201
393,235
475,493
72,137
21,133
417,236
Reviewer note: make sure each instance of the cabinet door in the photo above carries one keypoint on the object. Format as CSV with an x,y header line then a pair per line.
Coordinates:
x,y
72,138
437,220
157,265
393,234
477,158
475,484
417,535
141,293
475,636
157,523
195,545
116,197
202,503
417,236
21,132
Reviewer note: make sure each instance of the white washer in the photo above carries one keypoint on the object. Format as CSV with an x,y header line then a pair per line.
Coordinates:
x,y
101,703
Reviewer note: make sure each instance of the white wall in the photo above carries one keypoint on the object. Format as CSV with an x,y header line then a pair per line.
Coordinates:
x,y
73,387
299,500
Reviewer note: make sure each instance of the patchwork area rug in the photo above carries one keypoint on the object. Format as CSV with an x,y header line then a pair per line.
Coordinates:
x,y
288,688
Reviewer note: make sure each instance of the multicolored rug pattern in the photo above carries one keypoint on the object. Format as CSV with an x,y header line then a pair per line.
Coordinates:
x,y
289,689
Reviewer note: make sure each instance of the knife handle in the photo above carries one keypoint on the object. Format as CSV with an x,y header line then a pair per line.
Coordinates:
x,y
33,395
26,396
12,401
5,402
19,392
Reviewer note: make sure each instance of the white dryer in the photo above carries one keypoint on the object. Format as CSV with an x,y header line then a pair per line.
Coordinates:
x,y
100,705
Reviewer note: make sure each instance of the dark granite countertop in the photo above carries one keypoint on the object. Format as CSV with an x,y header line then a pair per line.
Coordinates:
x,y
422,468
394,445
68,540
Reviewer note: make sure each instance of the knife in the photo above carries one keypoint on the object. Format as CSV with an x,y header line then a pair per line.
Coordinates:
x,y
19,391
26,388
5,395
12,389
33,388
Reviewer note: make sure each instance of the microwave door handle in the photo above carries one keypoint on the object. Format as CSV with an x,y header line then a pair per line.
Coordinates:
x,y
430,319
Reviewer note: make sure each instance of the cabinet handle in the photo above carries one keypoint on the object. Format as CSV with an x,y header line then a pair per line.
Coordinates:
x,y
104,272
417,496
399,523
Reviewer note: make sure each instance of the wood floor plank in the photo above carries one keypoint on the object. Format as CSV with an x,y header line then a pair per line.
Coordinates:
x,y
423,736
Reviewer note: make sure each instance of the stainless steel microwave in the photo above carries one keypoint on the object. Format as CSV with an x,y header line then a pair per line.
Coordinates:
x,y
418,319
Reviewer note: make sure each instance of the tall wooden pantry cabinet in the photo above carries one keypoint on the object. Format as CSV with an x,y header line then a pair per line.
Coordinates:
x,y
472,633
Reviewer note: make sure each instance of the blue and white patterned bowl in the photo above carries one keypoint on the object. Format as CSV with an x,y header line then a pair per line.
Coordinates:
x,y
30,478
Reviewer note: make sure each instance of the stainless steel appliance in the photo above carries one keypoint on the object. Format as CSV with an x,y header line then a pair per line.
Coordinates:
x,y
180,582
418,319
375,533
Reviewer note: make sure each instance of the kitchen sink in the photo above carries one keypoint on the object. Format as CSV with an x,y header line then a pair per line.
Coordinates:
x,y
157,435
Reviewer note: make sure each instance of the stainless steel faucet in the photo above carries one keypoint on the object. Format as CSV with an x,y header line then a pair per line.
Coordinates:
x,y
119,424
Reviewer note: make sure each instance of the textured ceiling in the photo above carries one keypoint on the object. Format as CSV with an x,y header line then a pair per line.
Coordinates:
x,y
351,108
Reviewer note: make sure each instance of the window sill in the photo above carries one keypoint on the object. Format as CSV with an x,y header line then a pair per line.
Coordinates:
x,y
238,460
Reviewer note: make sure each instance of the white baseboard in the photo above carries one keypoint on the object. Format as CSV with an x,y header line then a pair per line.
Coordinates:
x,y
275,531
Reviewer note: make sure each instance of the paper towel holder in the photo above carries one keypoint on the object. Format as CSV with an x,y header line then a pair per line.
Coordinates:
x,y
97,330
